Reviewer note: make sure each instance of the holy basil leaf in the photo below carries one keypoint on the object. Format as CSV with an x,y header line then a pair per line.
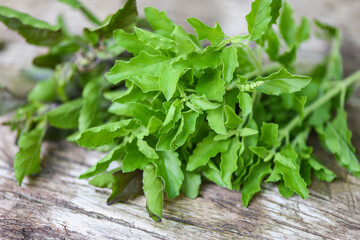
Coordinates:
x,y
216,120
140,65
338,141
211,85
131,43
232,119
168,80
269,134
282,82
133,159
213,34
205,150
124,18
154,40
203,103
245,103
191,184
27,160
259,18
188,121
104,180
228,163
159,22
124,186
153,190
66,116
320,171
91,102
168,168
287,25
230,63
115,155
257,173
34,31
103,134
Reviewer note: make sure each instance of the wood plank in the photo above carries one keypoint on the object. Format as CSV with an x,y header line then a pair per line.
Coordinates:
x,y
56,204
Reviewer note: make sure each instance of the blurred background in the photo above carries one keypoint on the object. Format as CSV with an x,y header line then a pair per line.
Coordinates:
x,y
230,14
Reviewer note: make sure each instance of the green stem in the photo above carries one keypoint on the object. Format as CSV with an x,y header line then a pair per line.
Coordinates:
x,y
90,15
284,132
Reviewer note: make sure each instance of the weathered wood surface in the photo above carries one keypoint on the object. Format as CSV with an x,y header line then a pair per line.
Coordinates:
x,y
57,205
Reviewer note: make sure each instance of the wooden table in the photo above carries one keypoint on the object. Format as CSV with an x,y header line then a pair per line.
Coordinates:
x,y
57,205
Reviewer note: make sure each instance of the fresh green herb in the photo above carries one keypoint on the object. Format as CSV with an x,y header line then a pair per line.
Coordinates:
x,y
174,110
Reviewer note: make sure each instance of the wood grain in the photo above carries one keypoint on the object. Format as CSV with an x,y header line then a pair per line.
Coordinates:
x,y
55,204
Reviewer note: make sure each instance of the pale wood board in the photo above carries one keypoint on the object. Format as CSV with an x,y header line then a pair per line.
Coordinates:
x,y
57,205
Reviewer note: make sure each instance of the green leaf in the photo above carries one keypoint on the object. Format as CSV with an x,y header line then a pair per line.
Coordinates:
x,y
285,191
124,18
214,34
115,155
120,109
27,160
185,44
153,190
230,63
211,85
205,150
212,172
131,43
44,91
299,104
303,32
104,180
188,121
103,134
203,103
273,44
275,10
282,82
168,80
259,18
91,102
232,119
191,184
124,186
140,65
133,159
338,141
287,169
159,22
66,116
245,103
173,115
143,113
269,134
145,149
228,163
34,31
199,61
216,120
320,171
168,168
287,25
256,175
262,152
154,40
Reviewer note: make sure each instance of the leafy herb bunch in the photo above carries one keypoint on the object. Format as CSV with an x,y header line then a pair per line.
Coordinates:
x,y
177,109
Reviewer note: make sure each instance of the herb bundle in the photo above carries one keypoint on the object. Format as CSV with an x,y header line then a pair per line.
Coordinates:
x,y
173,109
